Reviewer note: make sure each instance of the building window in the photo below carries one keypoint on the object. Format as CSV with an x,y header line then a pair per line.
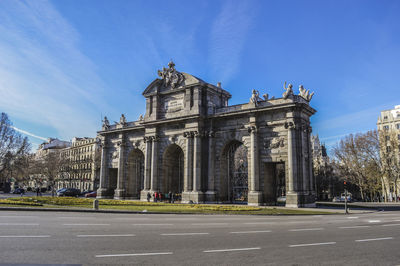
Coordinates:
x,y
385,117
386,127
388,149
387,138
398,125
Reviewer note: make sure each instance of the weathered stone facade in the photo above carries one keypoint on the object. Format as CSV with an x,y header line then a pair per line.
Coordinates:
x,y
190,142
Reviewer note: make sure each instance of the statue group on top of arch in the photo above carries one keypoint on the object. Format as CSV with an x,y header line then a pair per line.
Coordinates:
x,y
170,76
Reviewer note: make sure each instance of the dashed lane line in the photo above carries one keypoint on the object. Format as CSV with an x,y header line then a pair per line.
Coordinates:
x,y
134,254
86,224
126,235
230,250
250,232
312,244
23,224
352,217
152,224
354,227
306,229
259,223
374,239
374,221
199,224
184,234
16,216
390,224
17,236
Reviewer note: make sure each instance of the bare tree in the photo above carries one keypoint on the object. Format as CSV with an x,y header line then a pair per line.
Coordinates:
x,y
357,160
389,152
51,166
13,148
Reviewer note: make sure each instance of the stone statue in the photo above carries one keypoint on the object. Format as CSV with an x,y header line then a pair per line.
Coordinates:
x,y
305,93
141,118
170,76
265,96
255,98
106,123
122,120
288,90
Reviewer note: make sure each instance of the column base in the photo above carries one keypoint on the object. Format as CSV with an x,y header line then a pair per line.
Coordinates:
x,y
104,193
143,195
119,194
254,198
210,196
192,197
300,200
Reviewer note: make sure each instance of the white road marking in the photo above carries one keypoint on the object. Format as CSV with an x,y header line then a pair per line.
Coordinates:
x,y
260,223
85,224
390,224
396,220
354,227
16,216
317,216
210,224
152,224
228,250
374,221
184,234
17,224
312,244
374,239
38,236
137,254
306,229
250,232
104,235
352,217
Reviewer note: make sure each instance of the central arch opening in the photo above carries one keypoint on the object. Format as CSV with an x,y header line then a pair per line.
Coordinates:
x,y
234,181
173,170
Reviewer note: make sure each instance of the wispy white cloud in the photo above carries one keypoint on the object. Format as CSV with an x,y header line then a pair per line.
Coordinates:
x,y
228,35
44,77
28,133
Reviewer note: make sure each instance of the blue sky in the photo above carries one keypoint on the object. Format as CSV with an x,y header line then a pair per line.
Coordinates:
x,y
66,63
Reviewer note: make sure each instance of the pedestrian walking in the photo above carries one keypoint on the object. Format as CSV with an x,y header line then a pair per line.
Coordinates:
x,y
148,196
155,196
37,192
160,196
170,196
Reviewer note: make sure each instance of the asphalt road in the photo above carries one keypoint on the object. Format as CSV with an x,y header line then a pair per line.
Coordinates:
x,y
147,239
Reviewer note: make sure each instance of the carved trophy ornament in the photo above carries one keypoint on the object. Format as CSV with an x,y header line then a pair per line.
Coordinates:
x,y
106,123
170,76
305,93
288,90
122,120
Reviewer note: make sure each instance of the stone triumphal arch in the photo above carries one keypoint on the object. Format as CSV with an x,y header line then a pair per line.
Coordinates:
x,y
192,143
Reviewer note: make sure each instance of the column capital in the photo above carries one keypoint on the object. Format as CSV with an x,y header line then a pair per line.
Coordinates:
x,y
188,134
155,138
210,134
147,139
252,129
290,125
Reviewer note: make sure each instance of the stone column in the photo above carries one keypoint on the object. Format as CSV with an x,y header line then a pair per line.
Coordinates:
x,y
121,189
254,195
188,168
154,165
147,169
210,194
292,199
197,194
103,192
310,162
304,159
